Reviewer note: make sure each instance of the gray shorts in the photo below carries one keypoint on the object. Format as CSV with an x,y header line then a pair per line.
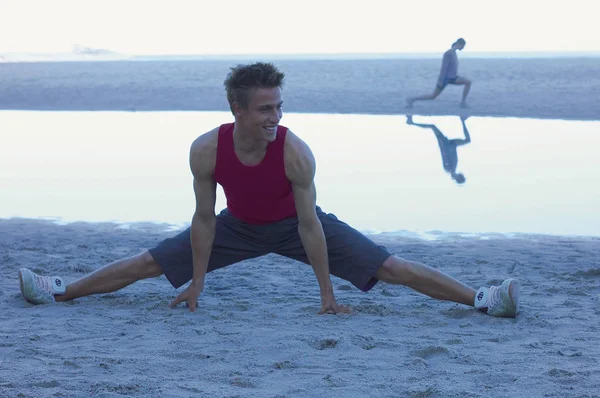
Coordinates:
x,y
352,256
448,80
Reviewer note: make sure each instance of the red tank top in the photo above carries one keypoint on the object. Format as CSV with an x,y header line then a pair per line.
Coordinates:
x,y
259,194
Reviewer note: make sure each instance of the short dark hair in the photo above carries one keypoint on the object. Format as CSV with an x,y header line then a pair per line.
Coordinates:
x,y
243,78
460,41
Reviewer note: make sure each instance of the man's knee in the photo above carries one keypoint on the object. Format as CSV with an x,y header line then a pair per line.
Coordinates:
x,y
463,81
146,266
395,270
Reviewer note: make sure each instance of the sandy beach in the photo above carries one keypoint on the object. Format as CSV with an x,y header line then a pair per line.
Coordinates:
x,y
256,332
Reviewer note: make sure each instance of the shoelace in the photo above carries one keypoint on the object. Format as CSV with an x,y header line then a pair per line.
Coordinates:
x,y
495,298
43,283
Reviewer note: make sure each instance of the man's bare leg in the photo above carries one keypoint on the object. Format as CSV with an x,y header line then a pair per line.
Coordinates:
x,y
426,280
467,83
410,101
113,277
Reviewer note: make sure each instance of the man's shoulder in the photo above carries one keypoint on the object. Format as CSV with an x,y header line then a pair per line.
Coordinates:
x,y
299,159
203,153
206,142
295,145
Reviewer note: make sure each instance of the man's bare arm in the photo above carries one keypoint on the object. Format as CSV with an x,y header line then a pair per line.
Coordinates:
x,y
300,169
444,68
202,164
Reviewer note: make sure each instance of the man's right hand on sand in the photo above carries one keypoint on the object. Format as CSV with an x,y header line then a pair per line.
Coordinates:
x,y
189,295
330,306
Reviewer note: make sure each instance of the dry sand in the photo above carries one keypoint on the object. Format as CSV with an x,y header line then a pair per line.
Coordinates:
x,y
256,332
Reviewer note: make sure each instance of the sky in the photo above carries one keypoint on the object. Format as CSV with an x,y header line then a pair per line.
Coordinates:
x,y
137,27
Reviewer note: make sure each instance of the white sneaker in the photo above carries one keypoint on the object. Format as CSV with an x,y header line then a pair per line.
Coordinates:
x,y
500,301
40,289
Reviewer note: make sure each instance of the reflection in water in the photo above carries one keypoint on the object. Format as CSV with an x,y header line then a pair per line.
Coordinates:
x,y
447,146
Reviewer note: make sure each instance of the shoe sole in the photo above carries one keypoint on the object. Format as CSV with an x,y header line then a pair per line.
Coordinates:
x,y
514,292
21,286
21,282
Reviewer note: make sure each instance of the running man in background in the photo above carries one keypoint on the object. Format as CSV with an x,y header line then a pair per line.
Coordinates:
x,y
448,75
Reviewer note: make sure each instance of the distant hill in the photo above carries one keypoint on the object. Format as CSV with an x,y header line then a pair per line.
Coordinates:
x,y
79,53
80,50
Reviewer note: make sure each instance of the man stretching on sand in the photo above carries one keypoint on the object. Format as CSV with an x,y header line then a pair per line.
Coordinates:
x,y
267,173
447,147
448,75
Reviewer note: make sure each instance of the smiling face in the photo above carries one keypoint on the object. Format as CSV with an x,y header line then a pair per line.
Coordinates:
x,y
258,120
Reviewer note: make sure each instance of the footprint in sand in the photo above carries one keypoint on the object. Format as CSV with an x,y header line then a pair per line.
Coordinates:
x,y
417,364
454,341
242,382
364,342
323,344
431,352
71,364
458,313
335,381
563,376
284,365
589,273
47,384
375,309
